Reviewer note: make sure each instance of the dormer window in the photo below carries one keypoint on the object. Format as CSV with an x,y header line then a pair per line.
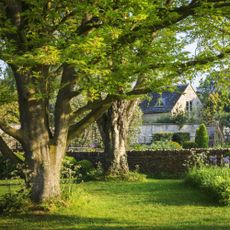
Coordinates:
x,y
159,102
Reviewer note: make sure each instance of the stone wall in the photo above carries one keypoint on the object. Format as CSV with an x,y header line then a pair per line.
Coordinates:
x,y
157,162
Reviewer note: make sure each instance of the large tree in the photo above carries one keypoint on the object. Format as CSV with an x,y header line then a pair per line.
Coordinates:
x,y
214,93
168,64
59,50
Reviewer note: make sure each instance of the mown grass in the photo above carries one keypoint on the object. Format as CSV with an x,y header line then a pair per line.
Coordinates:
x,y
154,204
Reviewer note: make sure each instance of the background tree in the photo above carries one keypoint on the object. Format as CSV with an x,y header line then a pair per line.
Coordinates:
x,y
215,98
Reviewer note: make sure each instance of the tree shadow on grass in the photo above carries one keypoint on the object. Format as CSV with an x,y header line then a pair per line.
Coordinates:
x,y
64,222
10,184
51,222
164,192
179,194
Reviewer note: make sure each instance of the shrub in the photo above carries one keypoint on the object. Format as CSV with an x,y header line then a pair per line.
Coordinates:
x,y
18,201
214,180
162,136
73,170
88,172
140,147
197,160
69,169
189,145
157,145
9,170
165,145
202,137
131,176
181,137
179,117
6,167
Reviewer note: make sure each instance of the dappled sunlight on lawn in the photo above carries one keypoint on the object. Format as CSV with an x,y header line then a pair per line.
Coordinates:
x,y
155,204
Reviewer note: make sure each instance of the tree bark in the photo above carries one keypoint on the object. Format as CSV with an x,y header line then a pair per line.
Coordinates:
x,y
114,127
46,175
43,158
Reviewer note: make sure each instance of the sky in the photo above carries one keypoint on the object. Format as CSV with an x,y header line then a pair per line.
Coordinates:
x,y
196,81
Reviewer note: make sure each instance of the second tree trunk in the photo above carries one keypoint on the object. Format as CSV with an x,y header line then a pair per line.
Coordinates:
x,y
114,127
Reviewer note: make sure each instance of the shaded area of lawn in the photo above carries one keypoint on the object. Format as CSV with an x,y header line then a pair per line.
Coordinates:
x,y
155,204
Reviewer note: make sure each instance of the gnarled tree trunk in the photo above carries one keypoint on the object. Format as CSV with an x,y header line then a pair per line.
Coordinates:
x,y
45,145
114,127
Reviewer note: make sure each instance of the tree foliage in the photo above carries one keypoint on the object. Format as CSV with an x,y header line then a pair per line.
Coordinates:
x,y
216,101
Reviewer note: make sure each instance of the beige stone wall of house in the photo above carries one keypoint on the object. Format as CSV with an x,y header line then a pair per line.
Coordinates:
x,y
152,118
188,102
147,131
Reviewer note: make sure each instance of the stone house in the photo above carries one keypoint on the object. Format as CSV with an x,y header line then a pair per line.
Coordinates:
x,y
158,111
162,106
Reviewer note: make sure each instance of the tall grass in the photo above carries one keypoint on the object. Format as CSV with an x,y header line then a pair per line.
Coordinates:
x,y
213,180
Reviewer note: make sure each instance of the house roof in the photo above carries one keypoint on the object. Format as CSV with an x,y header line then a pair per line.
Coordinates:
x,y
168,99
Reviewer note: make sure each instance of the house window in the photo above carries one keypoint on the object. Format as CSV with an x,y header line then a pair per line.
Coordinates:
x,y
190,103
189,106
159,102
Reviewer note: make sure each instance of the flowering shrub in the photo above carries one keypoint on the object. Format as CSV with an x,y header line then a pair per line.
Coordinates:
x,y
157,145
225,161
171,145
214,180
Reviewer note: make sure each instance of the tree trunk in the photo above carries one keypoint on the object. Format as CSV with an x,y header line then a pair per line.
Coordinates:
x,y
114,127
46,175
43,157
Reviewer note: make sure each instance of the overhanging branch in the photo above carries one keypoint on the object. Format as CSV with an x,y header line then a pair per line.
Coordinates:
x,y
15,133
77,128
93,106
206,60
8,153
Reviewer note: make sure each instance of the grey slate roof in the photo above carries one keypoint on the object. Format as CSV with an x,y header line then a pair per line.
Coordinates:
x,y
169,100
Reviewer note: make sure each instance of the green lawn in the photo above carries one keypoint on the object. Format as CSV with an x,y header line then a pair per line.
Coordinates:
x,y
155,204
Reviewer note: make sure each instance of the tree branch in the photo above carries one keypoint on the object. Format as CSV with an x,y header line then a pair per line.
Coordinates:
x,y
77,128
62,105
203,61
88,23
166,21
15,133
8,153
63,20
74,93
93,106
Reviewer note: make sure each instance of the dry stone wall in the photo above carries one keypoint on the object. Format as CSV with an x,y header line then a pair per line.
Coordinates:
x,y
170,162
